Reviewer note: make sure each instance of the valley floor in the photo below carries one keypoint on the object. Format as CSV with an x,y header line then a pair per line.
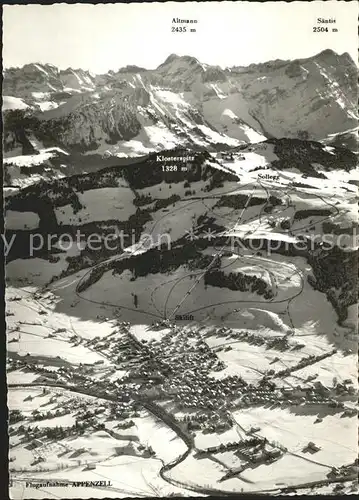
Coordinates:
x,y
63,361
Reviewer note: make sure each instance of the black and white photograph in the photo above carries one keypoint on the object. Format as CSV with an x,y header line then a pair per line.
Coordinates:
x,y
180,191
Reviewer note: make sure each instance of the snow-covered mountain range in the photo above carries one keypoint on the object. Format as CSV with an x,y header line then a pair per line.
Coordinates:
x,y
181,103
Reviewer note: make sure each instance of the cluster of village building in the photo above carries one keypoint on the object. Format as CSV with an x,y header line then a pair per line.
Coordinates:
x,y
279,342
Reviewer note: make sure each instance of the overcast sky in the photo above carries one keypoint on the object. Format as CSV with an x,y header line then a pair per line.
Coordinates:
x,y
102,37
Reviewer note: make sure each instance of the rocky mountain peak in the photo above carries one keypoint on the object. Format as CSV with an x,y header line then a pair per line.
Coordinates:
x,y
170,59
132,68
183,60
330,57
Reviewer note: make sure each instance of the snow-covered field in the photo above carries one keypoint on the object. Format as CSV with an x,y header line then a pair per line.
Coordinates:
x,y
129,477
287,471
143,332
21,220
33,330
68,459
203,441
39,273
10,102
163,440
206,473
30,160
98,204
336,436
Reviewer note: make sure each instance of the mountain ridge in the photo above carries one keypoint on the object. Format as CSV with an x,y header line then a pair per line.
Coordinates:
x,y
325,52
182,103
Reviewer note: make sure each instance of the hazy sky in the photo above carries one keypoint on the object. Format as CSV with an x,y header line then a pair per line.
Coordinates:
x,y
102,37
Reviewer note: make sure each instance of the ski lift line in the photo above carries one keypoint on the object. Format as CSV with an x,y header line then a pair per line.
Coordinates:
x,y
193,201
226,216
131,253
200,276
295,190
178,280
211,263
248,301
261,210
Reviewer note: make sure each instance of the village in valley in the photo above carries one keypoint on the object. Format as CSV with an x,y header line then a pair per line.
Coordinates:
x,y
149,385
